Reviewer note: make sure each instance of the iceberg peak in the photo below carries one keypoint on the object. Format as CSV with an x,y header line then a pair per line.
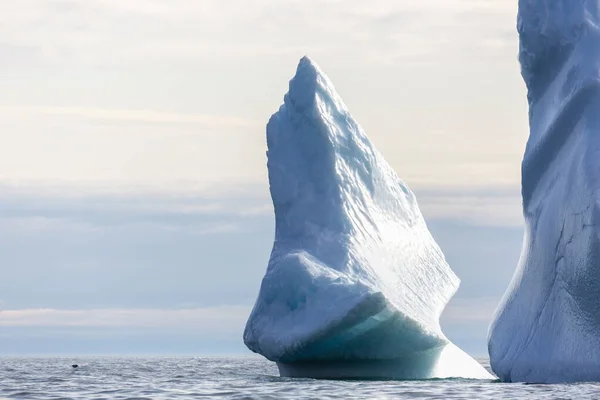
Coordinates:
x,y
304,85
309,88
307,67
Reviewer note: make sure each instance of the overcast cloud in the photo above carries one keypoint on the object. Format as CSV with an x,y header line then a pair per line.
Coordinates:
x,y
134,206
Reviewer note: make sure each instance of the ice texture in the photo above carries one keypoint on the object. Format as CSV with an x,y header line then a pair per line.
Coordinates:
x,y
355,284
547,328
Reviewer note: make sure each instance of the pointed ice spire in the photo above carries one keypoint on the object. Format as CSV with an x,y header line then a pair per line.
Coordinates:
x,y
354,274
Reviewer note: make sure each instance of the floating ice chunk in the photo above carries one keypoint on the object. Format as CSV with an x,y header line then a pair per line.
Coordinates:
x,y
355,284
547,328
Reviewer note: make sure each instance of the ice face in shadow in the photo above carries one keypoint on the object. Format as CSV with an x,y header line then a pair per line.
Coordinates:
x,y
355,284
547,328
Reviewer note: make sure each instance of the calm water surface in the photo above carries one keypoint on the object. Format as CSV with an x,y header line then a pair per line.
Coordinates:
x,y
234,378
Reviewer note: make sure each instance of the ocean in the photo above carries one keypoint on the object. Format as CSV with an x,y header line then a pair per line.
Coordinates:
x,y
234,378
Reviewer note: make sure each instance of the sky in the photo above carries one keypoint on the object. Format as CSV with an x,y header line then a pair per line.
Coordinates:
x,y
135,215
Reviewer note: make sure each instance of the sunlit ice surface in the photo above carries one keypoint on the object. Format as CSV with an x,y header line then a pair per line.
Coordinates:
x,y
355,284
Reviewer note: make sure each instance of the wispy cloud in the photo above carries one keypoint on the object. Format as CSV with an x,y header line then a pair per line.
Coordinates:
x,y
209,320
466,310
491,206
43,214
221,209
132,115
84,31
101,210
152,93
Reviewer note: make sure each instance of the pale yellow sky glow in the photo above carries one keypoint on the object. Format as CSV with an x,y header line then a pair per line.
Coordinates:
x,y
141,93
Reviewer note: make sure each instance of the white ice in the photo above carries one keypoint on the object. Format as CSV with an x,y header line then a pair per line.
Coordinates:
x,y
355,284
547,328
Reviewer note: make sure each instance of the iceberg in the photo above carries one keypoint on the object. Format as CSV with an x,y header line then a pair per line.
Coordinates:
x,y
547,327
355,284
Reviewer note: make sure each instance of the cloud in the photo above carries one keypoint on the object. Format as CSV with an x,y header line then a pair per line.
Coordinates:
x,y
470,310
209,320
213,318
176,94
125,115
66,225
384,30
32,210
220,209
500,206
160,250
132,143
122,148
13,55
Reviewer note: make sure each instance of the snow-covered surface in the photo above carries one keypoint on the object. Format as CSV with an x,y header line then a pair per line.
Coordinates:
x,y
355,284
547,328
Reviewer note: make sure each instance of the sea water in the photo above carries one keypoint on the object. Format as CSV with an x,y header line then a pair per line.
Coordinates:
x,y
234,378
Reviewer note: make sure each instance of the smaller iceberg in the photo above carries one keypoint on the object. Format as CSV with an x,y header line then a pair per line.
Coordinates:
x,y
355,284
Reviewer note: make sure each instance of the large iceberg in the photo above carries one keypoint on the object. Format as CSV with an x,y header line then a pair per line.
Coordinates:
x,y
547,328
355,284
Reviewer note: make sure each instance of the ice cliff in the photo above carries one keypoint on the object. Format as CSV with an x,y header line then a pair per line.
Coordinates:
x,y
355,284
547,328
